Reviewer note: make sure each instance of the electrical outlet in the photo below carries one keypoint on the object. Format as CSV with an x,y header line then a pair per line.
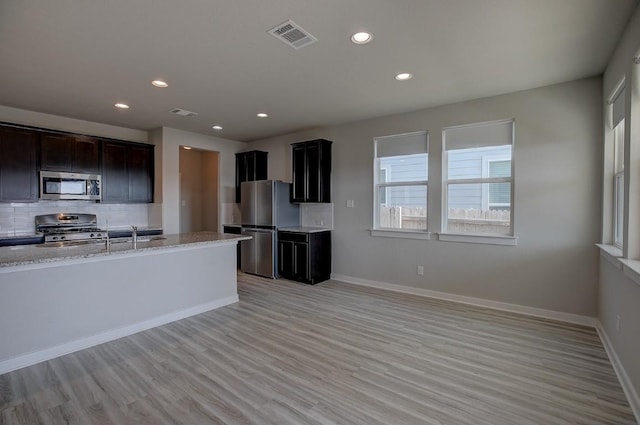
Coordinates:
x,y
618,320
420,270
350,203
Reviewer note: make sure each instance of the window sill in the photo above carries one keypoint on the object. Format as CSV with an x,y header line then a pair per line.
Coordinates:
x,y
403,234
631,269
482,239
612,254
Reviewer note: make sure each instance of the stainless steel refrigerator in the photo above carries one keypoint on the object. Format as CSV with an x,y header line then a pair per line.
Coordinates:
x,y
265,207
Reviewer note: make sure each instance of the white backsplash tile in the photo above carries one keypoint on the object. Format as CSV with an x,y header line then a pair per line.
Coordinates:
x,y
316,215
231,213
155,215
19,218
6,220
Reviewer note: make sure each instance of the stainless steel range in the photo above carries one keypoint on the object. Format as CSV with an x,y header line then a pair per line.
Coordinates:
x,y
69,227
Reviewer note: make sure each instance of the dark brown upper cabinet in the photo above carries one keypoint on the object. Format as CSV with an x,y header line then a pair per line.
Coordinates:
x,y
85,154
311,173
18,165
127,172
68,152
250,166
115,180
140,171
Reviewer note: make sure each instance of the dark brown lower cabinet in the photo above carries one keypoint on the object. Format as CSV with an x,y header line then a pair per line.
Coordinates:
x,y
304,257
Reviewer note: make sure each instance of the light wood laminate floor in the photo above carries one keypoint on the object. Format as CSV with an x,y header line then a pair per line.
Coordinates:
x,y
333,353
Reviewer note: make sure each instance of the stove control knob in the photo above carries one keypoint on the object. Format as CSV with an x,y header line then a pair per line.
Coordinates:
x,y
98,235
91,235
55,238
63,237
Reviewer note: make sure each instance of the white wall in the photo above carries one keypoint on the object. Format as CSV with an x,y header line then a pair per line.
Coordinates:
x,y
557,203
211,179
72,125
619,295
172,139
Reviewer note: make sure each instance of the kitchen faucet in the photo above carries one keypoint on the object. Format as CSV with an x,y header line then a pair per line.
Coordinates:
x,y
107,241
134,236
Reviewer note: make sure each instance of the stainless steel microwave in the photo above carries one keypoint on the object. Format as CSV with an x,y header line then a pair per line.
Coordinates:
x,y
58,185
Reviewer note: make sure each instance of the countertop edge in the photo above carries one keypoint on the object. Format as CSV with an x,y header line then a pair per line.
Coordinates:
x,y
305,229
118,252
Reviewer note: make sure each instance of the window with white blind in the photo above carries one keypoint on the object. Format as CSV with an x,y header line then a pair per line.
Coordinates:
x,y
478,179
400,182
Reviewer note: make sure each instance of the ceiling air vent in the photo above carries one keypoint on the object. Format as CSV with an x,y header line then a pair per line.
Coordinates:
x,y
293,35
183,112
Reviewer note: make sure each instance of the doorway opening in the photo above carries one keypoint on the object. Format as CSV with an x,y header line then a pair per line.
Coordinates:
x,y
199,193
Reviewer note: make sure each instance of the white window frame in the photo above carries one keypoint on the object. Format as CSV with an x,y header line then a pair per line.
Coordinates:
x,y
618,187
377,185
618,210
485,238
614,171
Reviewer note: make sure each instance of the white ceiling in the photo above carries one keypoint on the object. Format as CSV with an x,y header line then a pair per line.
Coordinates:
x,y
77,58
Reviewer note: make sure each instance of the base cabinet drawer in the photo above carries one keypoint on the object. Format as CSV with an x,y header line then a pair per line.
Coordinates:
x,y
304,257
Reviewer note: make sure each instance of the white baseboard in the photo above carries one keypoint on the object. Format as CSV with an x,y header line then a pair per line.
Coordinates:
x,y
496,305
110,335
625,381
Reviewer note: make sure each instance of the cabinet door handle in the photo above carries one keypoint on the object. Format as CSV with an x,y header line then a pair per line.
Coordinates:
x,y
295,260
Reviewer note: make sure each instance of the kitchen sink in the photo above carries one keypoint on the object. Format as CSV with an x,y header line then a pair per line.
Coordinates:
x,y
140,239
100,241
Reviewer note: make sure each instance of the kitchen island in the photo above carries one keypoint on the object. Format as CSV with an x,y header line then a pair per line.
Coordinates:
x,y
56,300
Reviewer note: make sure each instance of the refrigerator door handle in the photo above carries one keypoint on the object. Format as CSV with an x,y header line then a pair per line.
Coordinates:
x,y
248,252
265,244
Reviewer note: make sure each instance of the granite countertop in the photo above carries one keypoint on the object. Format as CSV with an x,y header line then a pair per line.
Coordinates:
x,y
304,229
24,255
142,231
34,238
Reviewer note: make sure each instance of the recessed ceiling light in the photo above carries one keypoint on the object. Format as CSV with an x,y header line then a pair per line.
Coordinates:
x,y
217,127
262,115
121,105
160,83
404,76
361,37
186,147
